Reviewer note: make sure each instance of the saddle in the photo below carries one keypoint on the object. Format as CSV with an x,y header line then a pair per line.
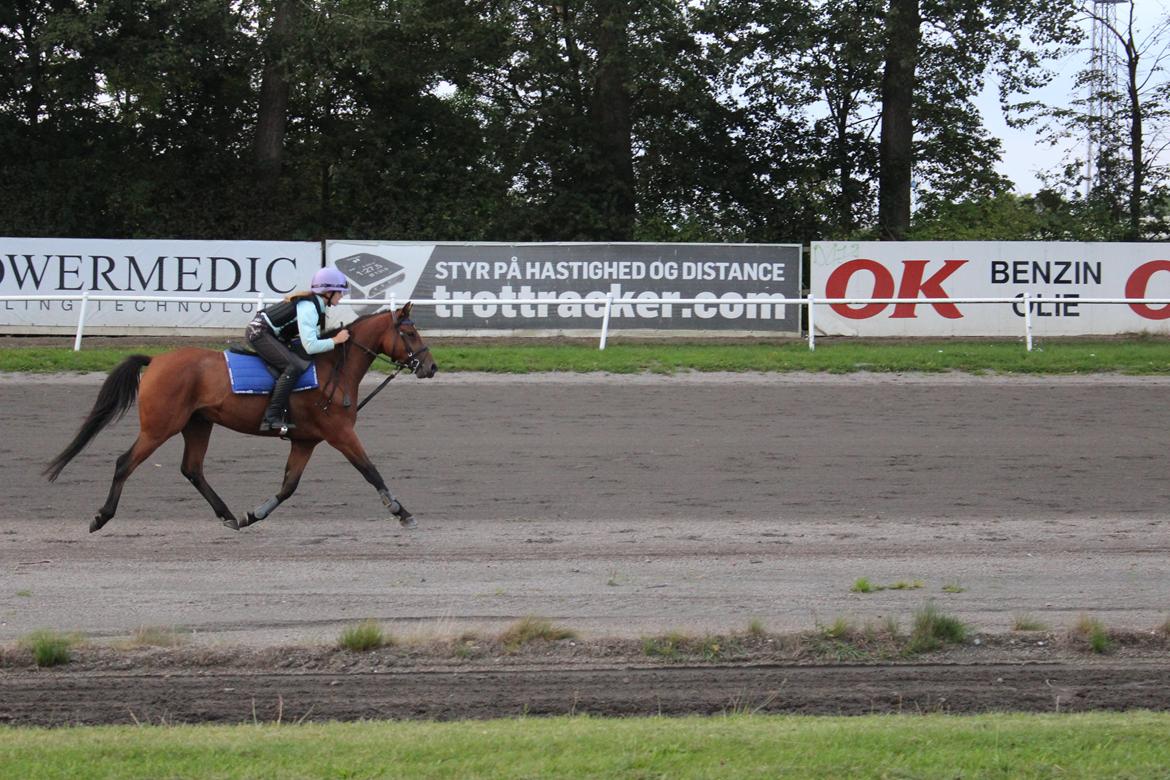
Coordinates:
x,y
251,375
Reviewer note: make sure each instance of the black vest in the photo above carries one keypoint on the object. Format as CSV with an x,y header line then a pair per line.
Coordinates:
x,y
283,317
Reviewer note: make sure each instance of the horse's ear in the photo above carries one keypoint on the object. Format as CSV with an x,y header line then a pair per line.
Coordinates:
x,y
404,314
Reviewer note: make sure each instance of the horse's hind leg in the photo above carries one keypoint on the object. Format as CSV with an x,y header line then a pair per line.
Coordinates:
x,y
146,443
298,458
196,436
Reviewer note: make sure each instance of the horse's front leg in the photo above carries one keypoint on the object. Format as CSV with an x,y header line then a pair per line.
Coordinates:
x,y
298,458
347,443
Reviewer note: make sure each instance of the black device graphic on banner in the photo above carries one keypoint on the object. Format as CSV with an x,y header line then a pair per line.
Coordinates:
x,y
370,276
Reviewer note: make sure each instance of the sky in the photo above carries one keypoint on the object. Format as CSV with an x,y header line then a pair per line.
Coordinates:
x,y
1024,155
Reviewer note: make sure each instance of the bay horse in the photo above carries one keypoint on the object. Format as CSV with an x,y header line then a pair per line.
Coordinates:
x,y
188,391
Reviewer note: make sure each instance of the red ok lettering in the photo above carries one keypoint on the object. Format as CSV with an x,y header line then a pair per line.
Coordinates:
x,y
1135,287
911,287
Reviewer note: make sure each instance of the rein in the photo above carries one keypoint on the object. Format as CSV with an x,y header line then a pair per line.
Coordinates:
x,y
412,362
386,381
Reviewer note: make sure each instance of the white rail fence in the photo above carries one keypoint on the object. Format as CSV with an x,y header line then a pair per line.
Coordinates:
x,y
810,301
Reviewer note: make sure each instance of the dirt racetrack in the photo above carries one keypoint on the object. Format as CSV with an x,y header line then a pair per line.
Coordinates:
x,y
621,507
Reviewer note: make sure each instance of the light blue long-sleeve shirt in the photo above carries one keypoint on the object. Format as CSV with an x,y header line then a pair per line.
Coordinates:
x,y
307,325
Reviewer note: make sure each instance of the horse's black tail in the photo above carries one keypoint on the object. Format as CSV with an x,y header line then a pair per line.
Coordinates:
x,y
117,394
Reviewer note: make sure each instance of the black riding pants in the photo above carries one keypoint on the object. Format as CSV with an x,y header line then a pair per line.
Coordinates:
x,y
273,350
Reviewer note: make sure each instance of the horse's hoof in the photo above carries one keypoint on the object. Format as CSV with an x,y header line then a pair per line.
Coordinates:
x,y
231,523
248,520
97,523
406,520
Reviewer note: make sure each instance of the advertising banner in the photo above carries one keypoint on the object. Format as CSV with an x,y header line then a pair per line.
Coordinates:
x,y
169,269
466,278
1066,272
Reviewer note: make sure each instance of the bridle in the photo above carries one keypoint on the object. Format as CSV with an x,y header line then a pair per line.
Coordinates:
x,y
412,362
413,359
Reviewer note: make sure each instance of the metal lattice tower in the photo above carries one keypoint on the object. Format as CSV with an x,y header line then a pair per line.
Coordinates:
x,y
1104,87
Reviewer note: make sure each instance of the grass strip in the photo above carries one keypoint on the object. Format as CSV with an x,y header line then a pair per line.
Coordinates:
x,y
1141,356
736,745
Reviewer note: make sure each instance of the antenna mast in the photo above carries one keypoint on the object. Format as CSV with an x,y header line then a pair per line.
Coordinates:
x,y
1103,88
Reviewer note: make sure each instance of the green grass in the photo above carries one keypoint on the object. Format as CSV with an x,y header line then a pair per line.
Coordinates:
x,y
49,648
367,635
933,629
1139,355
1026,622
841,628
863,585
668,646
533,629
1093,632
156,636
1095,745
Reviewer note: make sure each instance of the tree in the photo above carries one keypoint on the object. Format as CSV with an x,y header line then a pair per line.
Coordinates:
x,y
896,154
272,114
842,62
956,41
1125,112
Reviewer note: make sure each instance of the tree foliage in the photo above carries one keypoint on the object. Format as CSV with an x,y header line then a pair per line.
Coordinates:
x,y
515,120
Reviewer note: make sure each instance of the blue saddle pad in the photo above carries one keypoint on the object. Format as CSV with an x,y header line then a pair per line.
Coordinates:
x,y
249,375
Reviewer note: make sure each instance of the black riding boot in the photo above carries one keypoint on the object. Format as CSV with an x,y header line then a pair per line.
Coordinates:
x,y
274,416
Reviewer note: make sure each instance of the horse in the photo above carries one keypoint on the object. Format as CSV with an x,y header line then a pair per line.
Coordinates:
x,y
188,391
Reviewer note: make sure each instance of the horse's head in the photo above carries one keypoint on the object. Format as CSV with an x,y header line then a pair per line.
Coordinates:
x,y
403,344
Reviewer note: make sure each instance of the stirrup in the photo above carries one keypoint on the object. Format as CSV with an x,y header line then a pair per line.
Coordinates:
x,y
284,426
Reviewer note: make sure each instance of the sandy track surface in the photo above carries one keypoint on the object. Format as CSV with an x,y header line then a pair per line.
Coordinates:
x,y
618,506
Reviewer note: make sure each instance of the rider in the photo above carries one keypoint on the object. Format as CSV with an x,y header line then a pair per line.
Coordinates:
x,y
286,333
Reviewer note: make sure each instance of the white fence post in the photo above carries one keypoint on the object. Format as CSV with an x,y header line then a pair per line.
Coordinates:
x,y
81,321
605,320
1028,321
812,330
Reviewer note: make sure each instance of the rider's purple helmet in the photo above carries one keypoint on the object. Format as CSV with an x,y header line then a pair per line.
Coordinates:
x,y
329,280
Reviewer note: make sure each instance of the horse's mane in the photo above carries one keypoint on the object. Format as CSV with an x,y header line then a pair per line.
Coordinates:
x,y
334,331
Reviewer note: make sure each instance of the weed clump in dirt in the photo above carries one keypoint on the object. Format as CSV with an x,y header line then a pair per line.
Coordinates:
x,y
1027,623
1092,632
49,648
668,646
933,629
153,636
532,629
365,636
676,646
863,585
